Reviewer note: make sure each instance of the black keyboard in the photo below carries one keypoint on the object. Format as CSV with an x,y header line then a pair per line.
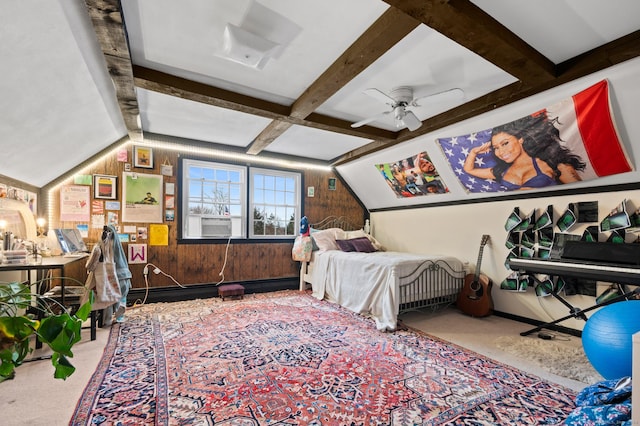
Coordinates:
x,y
608,272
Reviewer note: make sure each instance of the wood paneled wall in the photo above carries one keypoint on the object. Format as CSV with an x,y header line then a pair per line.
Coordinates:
x,y
202,263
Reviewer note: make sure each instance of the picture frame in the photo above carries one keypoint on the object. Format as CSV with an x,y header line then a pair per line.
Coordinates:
x,y
332,184
105,187
141,197
143,157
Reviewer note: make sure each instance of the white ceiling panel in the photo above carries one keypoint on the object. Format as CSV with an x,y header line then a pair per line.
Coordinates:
x,y
166,35
563,29
314,143
168,115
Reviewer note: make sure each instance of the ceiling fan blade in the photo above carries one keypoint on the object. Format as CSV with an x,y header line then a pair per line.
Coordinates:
x,y
370,119
411,121
381,96
444,96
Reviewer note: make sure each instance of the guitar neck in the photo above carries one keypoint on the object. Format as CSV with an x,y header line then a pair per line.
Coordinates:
x,y
484,240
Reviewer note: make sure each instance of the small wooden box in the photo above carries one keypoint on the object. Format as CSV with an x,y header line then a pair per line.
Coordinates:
x,y
231,290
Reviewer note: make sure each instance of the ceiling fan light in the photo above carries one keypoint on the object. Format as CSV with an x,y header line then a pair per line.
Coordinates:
x,y
411,121
245,47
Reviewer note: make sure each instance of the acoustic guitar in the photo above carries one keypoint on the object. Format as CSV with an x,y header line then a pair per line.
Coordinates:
x,y
475,297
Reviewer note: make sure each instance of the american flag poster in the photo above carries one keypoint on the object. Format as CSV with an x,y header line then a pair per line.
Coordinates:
x,y
571,141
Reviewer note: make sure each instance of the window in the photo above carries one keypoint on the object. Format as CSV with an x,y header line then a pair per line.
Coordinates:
x,y
275,203
213,200
217,199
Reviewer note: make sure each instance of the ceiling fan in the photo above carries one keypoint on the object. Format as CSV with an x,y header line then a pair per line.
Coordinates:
x,y
400,99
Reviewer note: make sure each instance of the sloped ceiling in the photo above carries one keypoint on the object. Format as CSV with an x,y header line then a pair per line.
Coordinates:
x,y
81,76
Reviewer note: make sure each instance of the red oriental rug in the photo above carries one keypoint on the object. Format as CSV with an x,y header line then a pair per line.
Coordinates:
x,y
286,358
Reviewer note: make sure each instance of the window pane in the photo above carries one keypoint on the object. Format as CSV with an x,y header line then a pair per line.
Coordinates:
x,y
269,197
209,195
222,176
195,172
269,182
275,201
207,174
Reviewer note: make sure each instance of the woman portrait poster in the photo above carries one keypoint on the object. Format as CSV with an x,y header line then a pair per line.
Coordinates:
x,y
571,141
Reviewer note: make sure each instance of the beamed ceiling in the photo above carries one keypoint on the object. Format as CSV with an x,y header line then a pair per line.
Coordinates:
x,y
164,59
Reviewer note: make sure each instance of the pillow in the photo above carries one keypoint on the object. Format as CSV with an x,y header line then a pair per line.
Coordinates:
x,y
314,246
375,243
302,247
326,239
345,245
355,234
360,233
362,245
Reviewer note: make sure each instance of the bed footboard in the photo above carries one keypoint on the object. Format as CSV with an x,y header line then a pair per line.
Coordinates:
x,y
433,284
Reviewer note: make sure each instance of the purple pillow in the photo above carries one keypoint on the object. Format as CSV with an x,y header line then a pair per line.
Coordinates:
x,y
345,245
362,245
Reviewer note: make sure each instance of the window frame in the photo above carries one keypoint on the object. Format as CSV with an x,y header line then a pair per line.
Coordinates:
x,y
296,205
246,214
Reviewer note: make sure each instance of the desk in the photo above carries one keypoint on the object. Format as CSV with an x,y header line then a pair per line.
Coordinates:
x,y
59,263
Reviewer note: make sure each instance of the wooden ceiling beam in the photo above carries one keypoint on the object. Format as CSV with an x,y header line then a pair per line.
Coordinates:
x,y
172,85
273,131
168,84
106,17
391,27
471,27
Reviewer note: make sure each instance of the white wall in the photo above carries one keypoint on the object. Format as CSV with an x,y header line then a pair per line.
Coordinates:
x,y
457,230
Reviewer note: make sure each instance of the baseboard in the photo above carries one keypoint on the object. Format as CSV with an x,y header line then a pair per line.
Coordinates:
x,y
208,290
537,323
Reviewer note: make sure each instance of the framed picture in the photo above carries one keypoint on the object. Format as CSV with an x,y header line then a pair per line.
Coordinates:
x,y
332,184
142,197
143,157
105,187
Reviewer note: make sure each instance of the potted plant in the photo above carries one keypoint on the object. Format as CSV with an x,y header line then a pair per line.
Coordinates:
x,y
23,315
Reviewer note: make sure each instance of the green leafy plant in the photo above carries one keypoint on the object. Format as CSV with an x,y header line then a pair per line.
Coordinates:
x,y
24,315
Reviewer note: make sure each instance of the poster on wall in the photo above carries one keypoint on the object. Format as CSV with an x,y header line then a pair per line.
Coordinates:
x,y
412,177
137,253
573,140
31,198
75,203
142,198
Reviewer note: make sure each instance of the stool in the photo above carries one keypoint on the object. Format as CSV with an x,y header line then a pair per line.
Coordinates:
x,y
231,290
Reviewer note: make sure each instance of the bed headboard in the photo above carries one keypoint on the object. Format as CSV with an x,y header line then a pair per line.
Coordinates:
x,y
336,222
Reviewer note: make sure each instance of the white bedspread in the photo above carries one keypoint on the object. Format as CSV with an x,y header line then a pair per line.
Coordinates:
x,y
366,283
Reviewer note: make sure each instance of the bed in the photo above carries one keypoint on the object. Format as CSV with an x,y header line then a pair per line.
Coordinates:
x,y
381,284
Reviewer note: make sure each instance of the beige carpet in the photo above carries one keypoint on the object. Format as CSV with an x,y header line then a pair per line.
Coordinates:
x,y
556,356
488,336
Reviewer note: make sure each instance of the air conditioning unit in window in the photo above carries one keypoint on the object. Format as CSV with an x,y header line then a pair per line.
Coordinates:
x,y
215,226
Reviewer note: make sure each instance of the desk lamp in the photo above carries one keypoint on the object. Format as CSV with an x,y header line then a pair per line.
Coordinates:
x,y
42,235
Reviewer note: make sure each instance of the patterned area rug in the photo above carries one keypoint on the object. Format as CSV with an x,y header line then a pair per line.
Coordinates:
x,y
286,358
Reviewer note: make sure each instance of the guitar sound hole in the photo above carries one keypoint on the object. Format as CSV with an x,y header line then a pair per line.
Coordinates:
x,y
475,286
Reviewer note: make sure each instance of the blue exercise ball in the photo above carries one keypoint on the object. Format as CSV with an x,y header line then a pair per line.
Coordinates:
x,y
607,338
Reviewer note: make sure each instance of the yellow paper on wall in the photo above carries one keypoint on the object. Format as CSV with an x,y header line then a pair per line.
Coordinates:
x,y
158,235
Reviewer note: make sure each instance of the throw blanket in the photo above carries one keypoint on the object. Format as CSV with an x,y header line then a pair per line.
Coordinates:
x,y
366,283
